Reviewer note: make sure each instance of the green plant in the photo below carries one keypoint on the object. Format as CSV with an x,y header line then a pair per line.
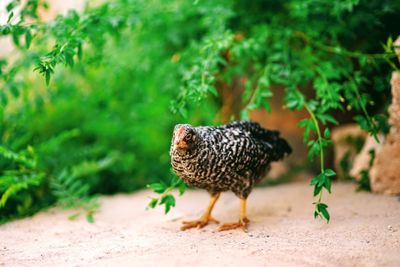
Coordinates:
x,y
23,175
166,197
72,192
97,101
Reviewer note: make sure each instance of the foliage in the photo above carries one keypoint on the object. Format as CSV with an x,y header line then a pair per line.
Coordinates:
x,y
302,45
22,176
166,198
92,127
113,70
364,182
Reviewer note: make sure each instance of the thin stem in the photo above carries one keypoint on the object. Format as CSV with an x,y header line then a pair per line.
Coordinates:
x,y
364,110
340,51
321,150
315,121
255,90
251,99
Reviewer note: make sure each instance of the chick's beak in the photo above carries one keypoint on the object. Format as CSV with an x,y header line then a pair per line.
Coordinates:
x,y
180,144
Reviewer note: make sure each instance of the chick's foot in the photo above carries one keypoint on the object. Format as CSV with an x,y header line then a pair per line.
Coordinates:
x,y
242,224
200,223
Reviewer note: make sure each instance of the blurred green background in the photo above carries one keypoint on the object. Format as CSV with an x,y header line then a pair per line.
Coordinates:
x,y
103,124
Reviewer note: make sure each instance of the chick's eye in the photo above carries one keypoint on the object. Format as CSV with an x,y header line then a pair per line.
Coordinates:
x,y
188,137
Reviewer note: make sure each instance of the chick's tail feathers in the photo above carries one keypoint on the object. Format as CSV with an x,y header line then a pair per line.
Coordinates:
x,y
284,148
280,147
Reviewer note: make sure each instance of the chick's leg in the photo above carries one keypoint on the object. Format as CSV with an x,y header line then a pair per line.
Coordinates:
x,y
203,221
243,221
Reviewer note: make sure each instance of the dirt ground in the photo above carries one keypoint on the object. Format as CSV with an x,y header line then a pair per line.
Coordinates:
x,y
364,231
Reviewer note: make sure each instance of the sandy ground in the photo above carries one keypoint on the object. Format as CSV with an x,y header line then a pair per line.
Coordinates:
x,y
364,231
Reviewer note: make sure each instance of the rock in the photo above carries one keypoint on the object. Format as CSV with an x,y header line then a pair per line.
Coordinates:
x,y
278,169
347,141
384,174
362,160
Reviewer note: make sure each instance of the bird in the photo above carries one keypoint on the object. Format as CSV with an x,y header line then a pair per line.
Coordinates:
x,y
231,157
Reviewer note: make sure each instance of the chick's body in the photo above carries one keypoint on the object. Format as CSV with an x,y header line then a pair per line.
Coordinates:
x,y
231,157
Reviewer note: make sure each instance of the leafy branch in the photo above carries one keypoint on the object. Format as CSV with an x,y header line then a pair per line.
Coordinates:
x,y
24,174
338,50
322,180
295,100
164,190
69,32
259,95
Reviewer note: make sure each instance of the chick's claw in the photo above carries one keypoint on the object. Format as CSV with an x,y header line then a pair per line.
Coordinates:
x,y
197,223
242,224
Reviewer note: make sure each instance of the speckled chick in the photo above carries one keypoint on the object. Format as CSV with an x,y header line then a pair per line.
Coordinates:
x,y
234,157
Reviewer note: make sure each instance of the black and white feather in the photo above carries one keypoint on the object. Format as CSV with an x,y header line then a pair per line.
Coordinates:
x,y
231,157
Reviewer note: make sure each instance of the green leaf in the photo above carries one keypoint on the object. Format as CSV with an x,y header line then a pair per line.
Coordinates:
x,y
15,37
324,118
3,98
213,90
28,38
317,190
329,172
158,187
308,126
314,150
74,216
79,53
47,75
328,184
325,214
244,114
316,214
294,99
388,46
182,188
90,217
327,133
168,201
69,60
175,181
317,180
322,209
10,16
153,202
267,106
